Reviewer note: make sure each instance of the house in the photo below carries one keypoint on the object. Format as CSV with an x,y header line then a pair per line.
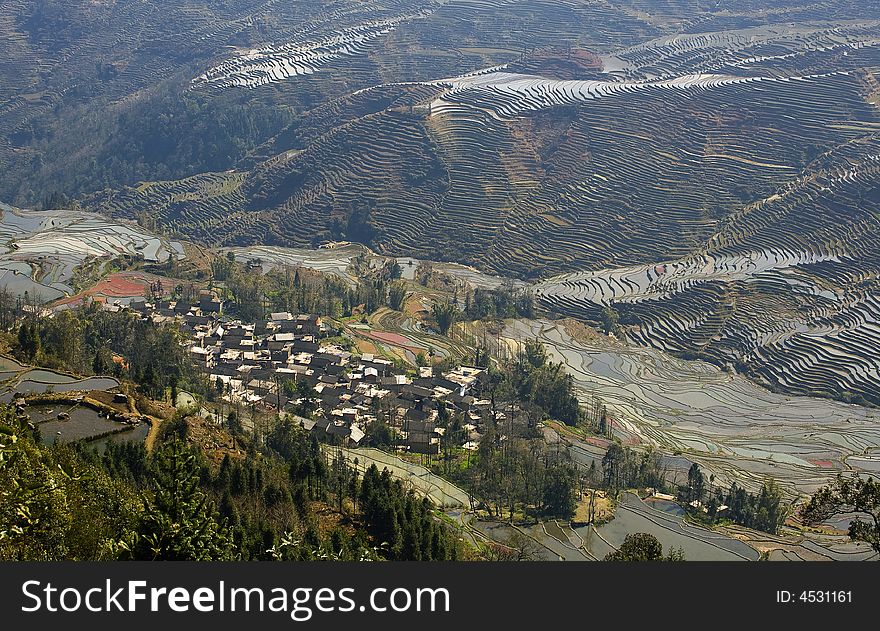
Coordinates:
x,y
196,320
371,375
309,323
423,443
261,387
306,423
202,357
141,306
210,306
348,435
356,436
305,346
280,356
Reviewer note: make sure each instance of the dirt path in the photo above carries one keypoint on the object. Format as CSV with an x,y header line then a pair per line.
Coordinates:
x,y
155,426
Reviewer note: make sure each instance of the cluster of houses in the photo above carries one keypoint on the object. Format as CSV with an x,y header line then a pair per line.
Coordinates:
x,y
268,365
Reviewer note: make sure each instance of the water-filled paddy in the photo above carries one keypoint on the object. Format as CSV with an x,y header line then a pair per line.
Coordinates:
x,y
83,423
38,381
137,433
57,241
724,421
669,527
9,364
24,380
328,260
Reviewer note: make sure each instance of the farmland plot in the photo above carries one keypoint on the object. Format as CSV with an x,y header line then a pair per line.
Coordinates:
x,y
42,248
721,420
273,63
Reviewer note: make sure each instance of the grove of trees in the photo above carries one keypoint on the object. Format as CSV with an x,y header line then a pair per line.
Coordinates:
x,y
853,496
65,502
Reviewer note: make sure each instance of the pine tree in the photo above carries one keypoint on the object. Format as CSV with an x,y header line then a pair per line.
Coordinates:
x,y
179,522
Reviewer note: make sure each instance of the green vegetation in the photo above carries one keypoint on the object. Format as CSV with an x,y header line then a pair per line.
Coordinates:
x,y
765,511
504,302
89,340
521,476
642,546
542,387
253,295
179,522
623,467
396,296
610,321
285,502
444,315
401,520
848,496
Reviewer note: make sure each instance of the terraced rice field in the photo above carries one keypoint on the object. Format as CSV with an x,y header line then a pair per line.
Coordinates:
x,y
725,422
269,64
634,515
508,95
334,261
785,289
28,380
337,260
556,540
399,334
83,424
708,170
529,175
41,249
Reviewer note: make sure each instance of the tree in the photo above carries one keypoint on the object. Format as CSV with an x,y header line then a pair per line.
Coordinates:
x,y
394,270
535,353
603,423
771,512
396,296
179,522
641,546
29,339
612,465
102,362
610,320
559,490
696,482
33,504
305,399
233,423
849,496
444,314
517,547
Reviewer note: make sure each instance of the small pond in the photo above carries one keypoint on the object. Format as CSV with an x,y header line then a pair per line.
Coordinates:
x,y
84,423
137,434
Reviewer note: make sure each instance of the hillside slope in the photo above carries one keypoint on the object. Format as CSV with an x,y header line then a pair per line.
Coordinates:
x,y
709,173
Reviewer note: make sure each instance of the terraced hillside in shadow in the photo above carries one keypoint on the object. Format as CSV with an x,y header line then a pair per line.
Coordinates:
x,y
107,94
784,290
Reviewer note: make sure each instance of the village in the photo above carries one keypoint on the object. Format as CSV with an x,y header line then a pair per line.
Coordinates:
x,y
289,366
